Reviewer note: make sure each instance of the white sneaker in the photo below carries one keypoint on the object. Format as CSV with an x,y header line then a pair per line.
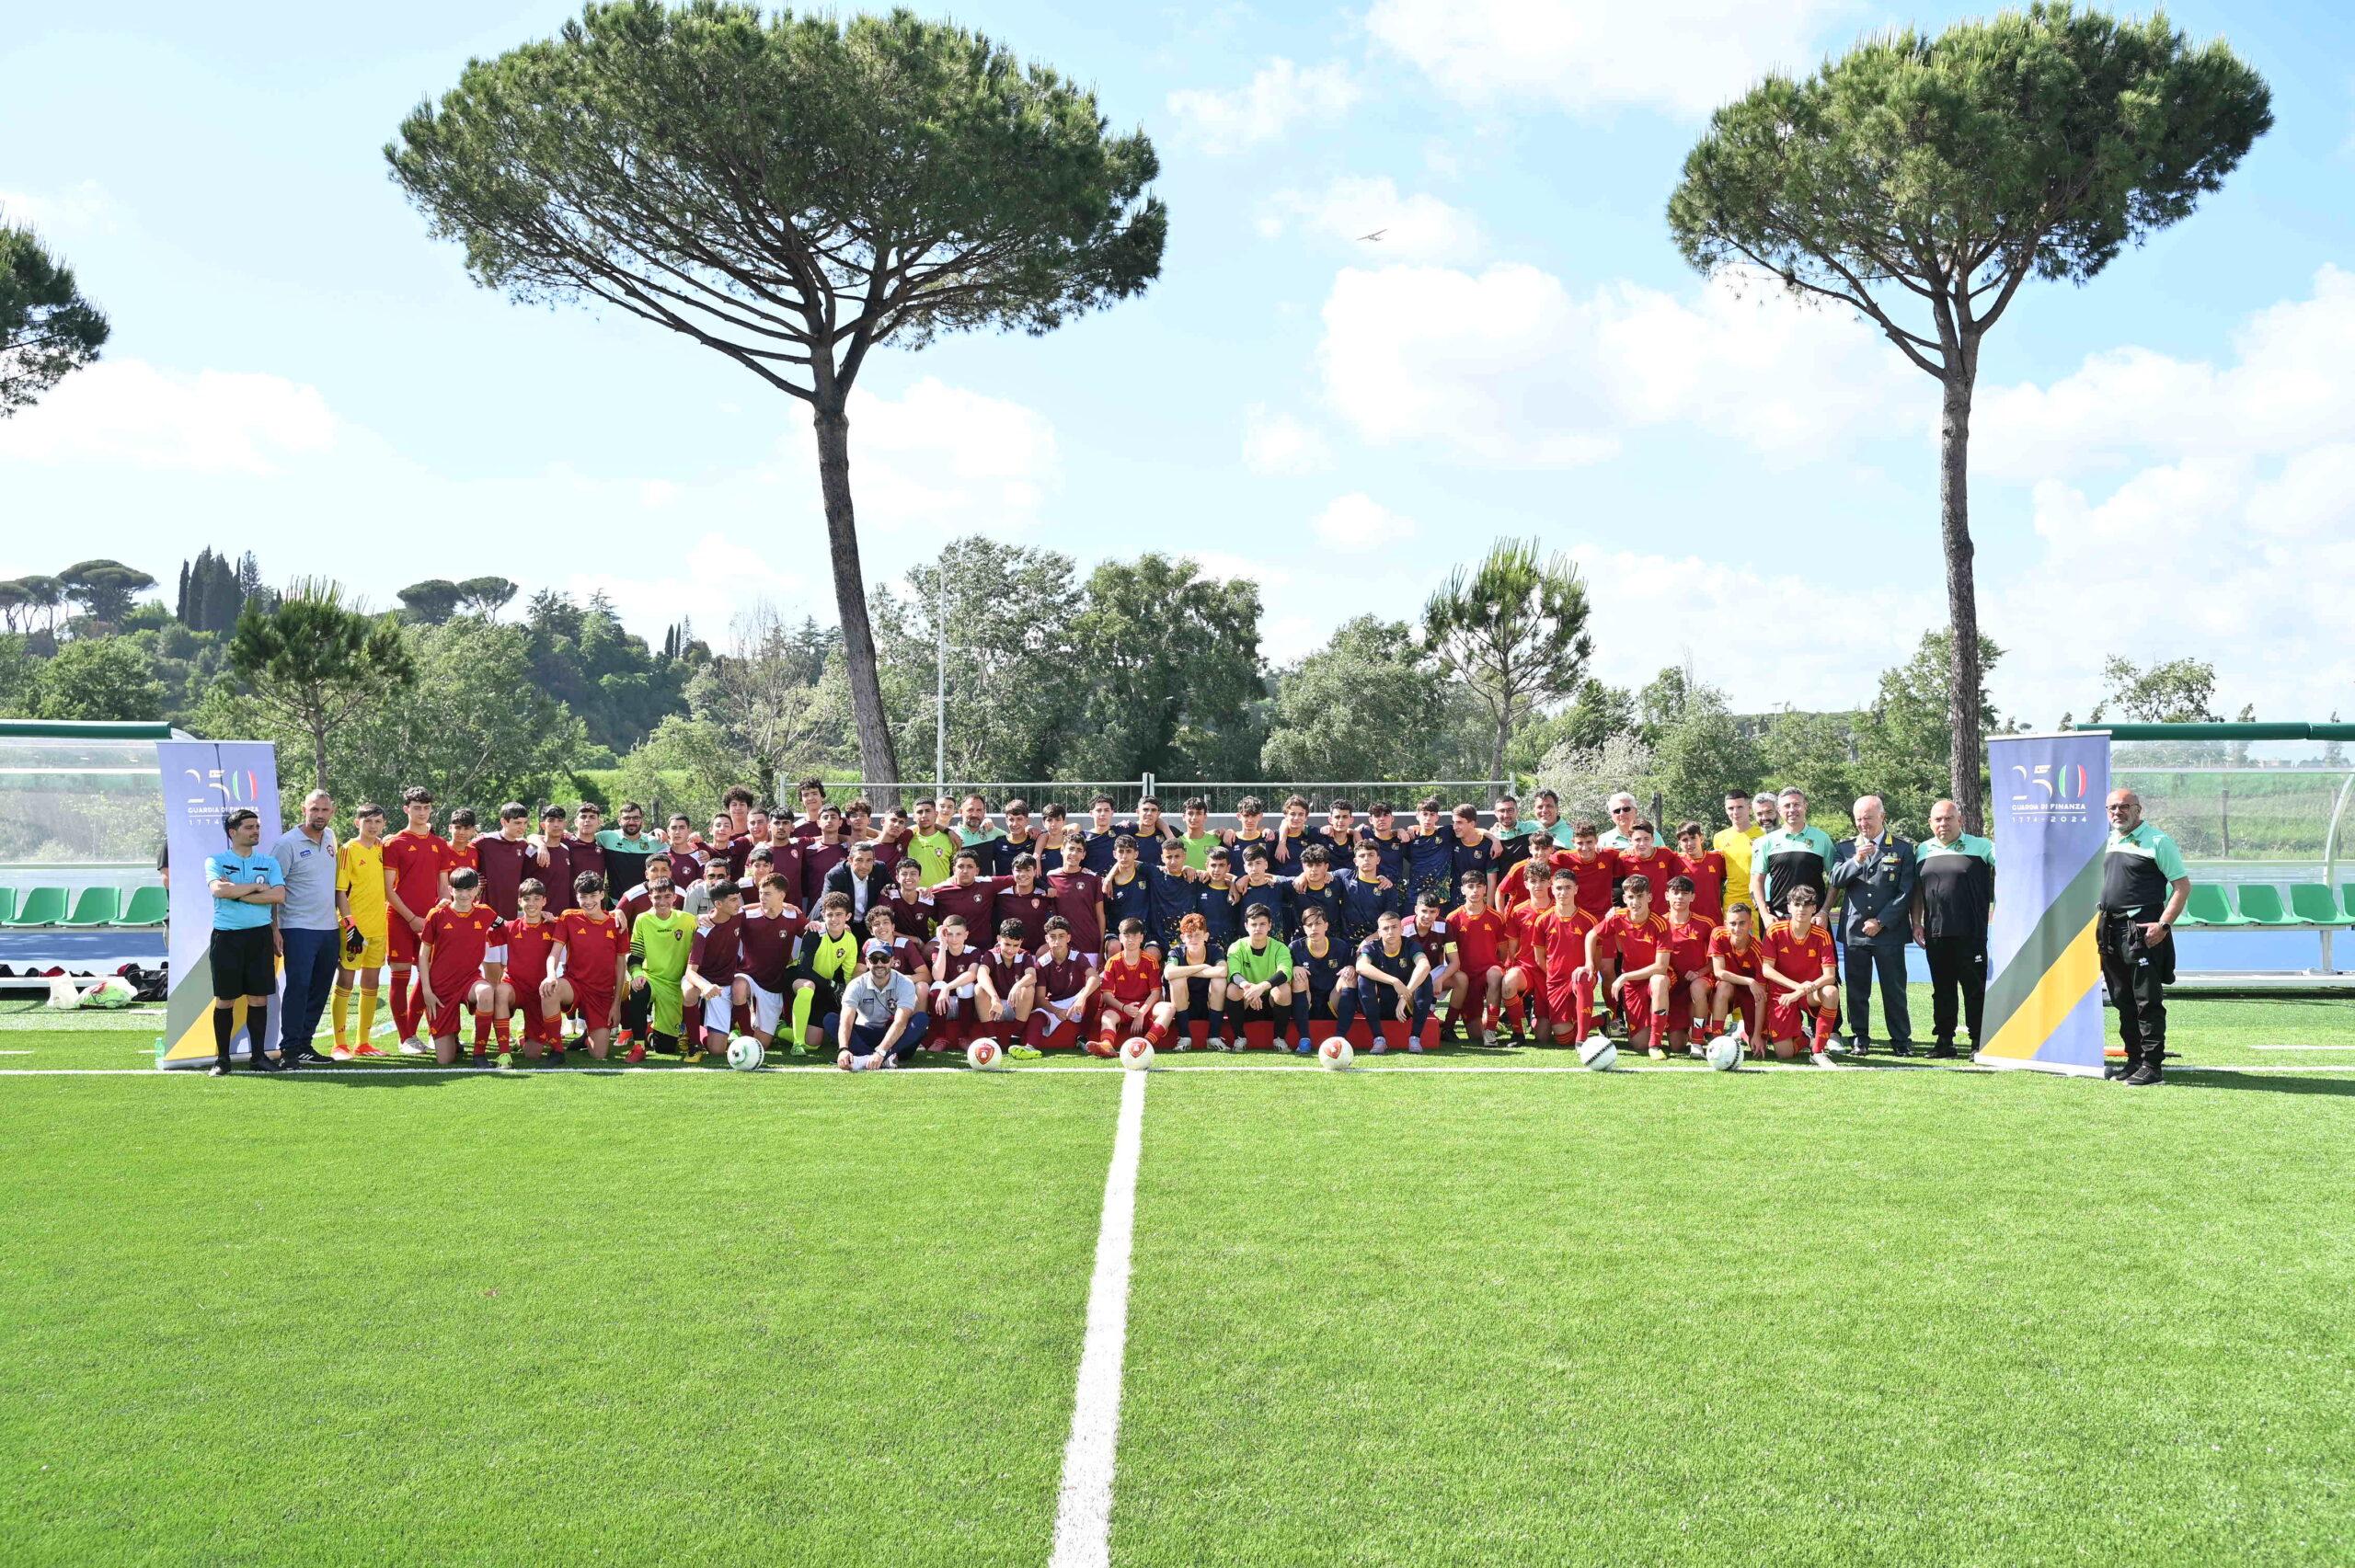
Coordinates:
x,y
1414,1047
1381,1046
1822,1059
410,1047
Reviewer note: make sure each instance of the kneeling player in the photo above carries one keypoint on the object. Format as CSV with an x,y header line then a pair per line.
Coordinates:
x,y
1323,980
1802,979
954,966
1691,978
1131,998
764,940
450,949
1195,973
1569,981
1006,989
661,942
1525,984
1641,988
1478,992
1735,953
1065,982
825,961
533,940
596,967
715,974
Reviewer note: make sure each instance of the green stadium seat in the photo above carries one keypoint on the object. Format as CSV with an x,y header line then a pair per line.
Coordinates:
x,y
2261,905
2346,896
2209,907
40,905
147,906
94,906
8,904
2312,902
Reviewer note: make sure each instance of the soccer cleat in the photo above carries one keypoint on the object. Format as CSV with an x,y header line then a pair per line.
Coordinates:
x,y
1305,1049
692,1057
1381,1046
1657,1053
307,1057
261,1062
342,1053
1822,1059
218,1069
1695,1050
364,1049
1022,1052
1414,1047
2146,1072
635,1054
411,1048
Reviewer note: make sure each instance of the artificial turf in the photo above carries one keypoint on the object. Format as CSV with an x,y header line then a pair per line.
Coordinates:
x,y
1397,1315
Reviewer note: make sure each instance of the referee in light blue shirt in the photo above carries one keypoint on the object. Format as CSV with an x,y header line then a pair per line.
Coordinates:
x,y
245,887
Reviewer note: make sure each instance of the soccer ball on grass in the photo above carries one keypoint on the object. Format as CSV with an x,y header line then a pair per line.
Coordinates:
x,y
1335,1052
984,1055
1136,1053
744,1053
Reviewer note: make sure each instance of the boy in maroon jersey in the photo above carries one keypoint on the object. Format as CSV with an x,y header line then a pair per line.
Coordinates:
x,y
765,947
824,850
1737,957
506,857
1079,900
812,795
955,967
1024,899
913,910
968,893
637,900
449,958
1706,867
909,956
1133,1003
556,870
582,850
596,966
533,940
1640,938
1066,982
1692,978
784,854
1801,977
1007,988
715,976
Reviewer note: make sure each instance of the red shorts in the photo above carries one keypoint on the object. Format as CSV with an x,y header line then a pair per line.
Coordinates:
x,y
1680,1002
1788,1020
1636,1006
400,942
1475,981
446,1021
1532,979
596,1008
1563,1001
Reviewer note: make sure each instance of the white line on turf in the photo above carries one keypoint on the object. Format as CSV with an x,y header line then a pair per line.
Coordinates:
x,y
1106,1073
1084,1515
2253,1048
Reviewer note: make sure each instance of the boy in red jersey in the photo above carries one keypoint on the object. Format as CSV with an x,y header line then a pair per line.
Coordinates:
x,y
1527,922
1640,938
417,876
1569,983
1736,954
1596,869
463,838
1706,867
715,974
1006,988
596,966
1132,1002
1802,979
1643,857
1691,978
765,944
1066,982
1481,937
451,948
533,940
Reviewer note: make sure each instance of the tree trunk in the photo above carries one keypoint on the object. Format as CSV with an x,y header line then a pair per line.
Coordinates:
x,y
1962,596
1497,757
877,759
319,758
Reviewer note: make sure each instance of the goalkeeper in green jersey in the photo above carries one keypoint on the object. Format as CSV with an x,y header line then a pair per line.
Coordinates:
x,y
660,941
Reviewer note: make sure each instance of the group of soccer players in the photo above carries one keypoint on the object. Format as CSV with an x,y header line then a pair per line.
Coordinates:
x,y
946,923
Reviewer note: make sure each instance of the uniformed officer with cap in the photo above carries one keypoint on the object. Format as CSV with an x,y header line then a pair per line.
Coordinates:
x,y
2143,888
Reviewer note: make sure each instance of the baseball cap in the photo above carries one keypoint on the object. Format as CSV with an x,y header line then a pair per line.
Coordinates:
x,y
874,948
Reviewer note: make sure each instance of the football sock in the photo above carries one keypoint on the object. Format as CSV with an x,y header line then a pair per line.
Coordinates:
x,y
499,1029
404,1009
367,1017
224,1030
482,1031
1825,1018
801,1003
256,1027
342,1017
1156,1034
1345,1009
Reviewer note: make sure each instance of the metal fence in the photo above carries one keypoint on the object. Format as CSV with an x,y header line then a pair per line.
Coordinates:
x,y
1221,794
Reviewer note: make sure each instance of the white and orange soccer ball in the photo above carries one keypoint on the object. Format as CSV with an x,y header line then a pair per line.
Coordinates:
x,y
1136,1053
984,1055
1335,1052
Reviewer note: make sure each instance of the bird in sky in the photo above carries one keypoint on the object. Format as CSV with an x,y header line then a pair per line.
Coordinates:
x,y
1375,236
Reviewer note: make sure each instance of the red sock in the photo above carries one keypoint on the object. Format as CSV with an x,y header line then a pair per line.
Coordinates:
x,y
1824,1020
1515,1014
1659,1028
1582,994
499,1027
404,1005
482,1031
1155,1035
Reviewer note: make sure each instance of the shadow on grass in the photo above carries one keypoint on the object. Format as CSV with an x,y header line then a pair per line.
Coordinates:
x,y
2189,1076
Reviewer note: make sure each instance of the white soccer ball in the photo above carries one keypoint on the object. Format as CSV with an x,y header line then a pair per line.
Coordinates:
x,y
1725,1053
744,1053
1599,1054
1136,1053
984,1055
1335,1052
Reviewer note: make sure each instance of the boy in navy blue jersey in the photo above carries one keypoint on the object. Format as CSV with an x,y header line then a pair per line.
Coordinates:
x,y
1471,852
1389,843
1101,841
1214,900
1172,897
1128,886
1324,975
1430,853
1260,885
1393,972
1314,888
1365,893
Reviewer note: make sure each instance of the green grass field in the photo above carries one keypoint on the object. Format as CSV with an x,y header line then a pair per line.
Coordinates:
x,y
1407,1314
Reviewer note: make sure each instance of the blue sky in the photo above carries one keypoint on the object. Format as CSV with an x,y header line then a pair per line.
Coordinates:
x,y
298,369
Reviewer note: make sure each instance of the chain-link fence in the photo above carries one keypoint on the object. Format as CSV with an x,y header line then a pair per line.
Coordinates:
x,y
2249,823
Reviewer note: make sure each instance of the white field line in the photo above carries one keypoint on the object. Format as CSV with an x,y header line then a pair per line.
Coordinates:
x,y
2301,1048
1083,1513
1106,1073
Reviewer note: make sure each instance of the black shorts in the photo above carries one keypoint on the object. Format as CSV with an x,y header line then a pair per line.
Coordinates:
x,y
245,963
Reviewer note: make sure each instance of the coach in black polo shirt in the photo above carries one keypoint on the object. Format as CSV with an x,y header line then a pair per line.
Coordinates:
x,y
1953,893
2145,885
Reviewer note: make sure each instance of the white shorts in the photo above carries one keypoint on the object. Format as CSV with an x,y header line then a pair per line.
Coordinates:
x,y
951,1003
719,1009
768,1006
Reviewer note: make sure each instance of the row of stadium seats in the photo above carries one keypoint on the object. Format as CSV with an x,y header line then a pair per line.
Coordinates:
x,y
2311,908
92,908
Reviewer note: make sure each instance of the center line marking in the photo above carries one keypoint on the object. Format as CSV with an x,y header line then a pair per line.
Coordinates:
x,y
1084,1515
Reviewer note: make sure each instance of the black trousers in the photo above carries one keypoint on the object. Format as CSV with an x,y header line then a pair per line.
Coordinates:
x,y
2135,976
1957,964
1860,963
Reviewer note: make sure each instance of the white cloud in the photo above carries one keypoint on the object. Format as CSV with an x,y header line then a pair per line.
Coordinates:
x,y
941,460
127,411
1276,442
1590,56
715,566
1358,522
83,208
1507,367
1278,96
1412,228
1266,570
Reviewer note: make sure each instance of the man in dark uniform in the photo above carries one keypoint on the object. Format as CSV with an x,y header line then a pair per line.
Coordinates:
x,y
2143,888
1954,891
1874,874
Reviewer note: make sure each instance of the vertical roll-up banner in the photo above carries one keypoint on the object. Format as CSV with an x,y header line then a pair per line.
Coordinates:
x,y
203,782
2050,833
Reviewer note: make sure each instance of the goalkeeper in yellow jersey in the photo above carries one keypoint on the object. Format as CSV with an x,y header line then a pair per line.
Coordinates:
x,y
360,878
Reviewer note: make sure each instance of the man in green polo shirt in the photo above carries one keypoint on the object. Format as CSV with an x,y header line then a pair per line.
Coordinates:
x,y
2145,885
1793,856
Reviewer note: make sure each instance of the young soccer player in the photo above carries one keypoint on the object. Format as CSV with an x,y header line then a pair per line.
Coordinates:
x,y
1430,853
1393,975
968,893
360,878
1803,979
1365,893
535,943
1389,843
1128,886
1172,897
1476,993
1006,989
1251,826
451,946
1527,924
1324,979
1079,900
463,838
913,910
1314,888
1214,900
1199,838
825,960
1195,973
1258,975
1736,956
417,863
1706,867
1259,884
1023,898
765,942
1131,994
811,793
1644,858
596,966
1639,939
1066,981
910,957
1341,834
661,942
1017,840
1569,982
823,850
715,977
1596,869
1294,836
1434,932
1692,978
1101,839
1152,824
955,965
1471,852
